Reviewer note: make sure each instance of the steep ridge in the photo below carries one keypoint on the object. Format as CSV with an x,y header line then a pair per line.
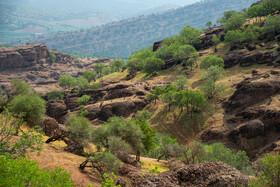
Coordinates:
x,y
111,40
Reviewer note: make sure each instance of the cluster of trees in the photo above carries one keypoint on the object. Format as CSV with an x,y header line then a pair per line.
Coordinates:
x,y
264,8
25,107
99,70
179,48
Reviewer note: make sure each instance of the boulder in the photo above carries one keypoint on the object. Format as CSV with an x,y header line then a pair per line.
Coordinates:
x,y
252,129
211,174
71,103
56,109
251,92
249,58
51,127
93,111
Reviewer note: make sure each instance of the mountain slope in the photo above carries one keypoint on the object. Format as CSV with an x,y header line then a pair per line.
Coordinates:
x,y
111,39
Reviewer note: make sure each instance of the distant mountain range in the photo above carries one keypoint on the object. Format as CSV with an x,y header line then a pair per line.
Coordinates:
x,y
119,39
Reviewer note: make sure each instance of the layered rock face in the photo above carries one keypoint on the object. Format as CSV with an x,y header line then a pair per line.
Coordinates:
x,y
26,56
252,116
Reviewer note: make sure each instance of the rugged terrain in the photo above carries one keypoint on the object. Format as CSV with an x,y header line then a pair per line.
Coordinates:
x,y
110,40
33,64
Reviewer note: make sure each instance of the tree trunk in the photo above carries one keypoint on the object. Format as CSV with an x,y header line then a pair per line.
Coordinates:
x,y
138,156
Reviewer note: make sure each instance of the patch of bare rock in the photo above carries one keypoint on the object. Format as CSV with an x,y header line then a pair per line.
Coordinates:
x,y
252,116
199,175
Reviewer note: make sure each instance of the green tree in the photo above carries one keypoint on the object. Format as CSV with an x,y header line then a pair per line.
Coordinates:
x,y
67,81
84,99
128,130
187,54
167,51
55,95
271,26
52,58
181,83
213,73
190,35
98,69
116,65
22,172
26,140
269,175
82,83
143,53
216,40
227,15
234,22
218,152
152,65
155,94
209,24
80,128
211,88
234,37
135,64
20,87
211,61
31,107
90,75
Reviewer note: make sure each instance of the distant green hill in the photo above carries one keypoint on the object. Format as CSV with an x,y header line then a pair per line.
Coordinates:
x,y
121,38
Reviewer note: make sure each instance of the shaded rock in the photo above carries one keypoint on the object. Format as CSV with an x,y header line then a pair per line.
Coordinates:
x,y
174,164
166,179
93,111
211,174
157,45
252,129
51,127
249,93
249,58
71,103
274,72
127,159
212,135
56,109
105,113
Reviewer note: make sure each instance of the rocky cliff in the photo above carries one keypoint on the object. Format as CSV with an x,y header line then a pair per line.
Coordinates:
x,y
25,56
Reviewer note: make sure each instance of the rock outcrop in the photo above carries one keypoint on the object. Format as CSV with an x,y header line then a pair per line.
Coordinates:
x,y
249,58
25,56
214,174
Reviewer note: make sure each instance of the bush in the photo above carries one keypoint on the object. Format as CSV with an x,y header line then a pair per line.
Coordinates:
x,y
218,152
271,25
227,15
234,22
80,128
20,87
96,86
269,168
82,83
213,73
190,35
55,95
32,107
117,144
52,58
22,172
116,65
142,54
135,64
104,162
166,52
89,75
181,83
211,88
67,81
187,54
98,68
211,61
152,65
27,140
84,99
109,180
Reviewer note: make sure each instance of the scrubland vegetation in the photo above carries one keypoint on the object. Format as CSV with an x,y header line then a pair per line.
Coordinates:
x,y
136,135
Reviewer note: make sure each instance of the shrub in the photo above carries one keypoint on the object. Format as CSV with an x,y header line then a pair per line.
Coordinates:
x,y
213,73
271,25
22,172
117,144
135,64
55,95
234,22
52,58
211,61
67,81
218,152
84,99
20,87
82,83
104,162
190,35
181,83
98,68
32,107
152,65
269,168
227,15
96,86
109,180
80,128
116,65
166,52
26,141
211,88
89,75
142,54
187,54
